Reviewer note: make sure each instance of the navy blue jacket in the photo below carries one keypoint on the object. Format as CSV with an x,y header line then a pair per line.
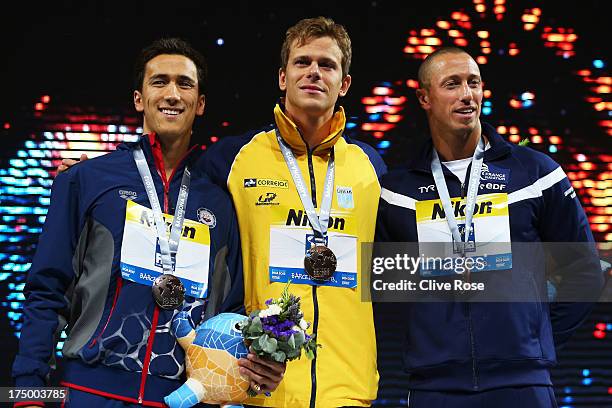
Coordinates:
x,y
483,345
115,330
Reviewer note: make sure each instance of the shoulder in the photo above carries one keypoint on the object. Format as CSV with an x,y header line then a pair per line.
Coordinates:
x,y
375,158
537,163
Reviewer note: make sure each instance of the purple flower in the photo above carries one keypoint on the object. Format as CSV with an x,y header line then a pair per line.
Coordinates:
x,y
269,301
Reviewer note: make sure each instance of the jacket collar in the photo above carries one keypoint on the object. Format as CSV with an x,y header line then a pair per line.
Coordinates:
x,y
151,148
291,134
499,148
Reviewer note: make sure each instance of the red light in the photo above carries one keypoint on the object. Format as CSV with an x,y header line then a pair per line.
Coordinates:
x,y
481,59
536,139
45,99
501,130
411,83
39,106
445,25
598,334
427,32
214,139
371,100
225,124
382,90
203,147
514,138
600,326
7,125
487,93
482,34
462,42
554,140
481,8
378,135
610,390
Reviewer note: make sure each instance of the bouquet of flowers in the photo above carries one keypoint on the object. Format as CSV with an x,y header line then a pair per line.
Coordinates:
x,y
279,331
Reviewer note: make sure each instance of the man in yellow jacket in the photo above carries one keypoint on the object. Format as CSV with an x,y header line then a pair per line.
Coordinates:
x,y
306,194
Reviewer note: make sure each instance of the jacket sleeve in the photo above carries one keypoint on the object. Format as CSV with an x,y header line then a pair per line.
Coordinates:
x,y
227,283
576,266
234,301
48,281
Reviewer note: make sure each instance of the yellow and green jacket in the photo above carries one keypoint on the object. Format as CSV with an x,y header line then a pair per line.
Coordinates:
x,y
270,215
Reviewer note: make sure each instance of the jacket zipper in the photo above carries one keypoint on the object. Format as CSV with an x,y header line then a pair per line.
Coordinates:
x,y
472,347
159,164
469,311
315,321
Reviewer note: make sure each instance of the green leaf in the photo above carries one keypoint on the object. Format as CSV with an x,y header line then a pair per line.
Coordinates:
x,y
524,142
256,325
279,356
291,341
310,354
269,346
299,338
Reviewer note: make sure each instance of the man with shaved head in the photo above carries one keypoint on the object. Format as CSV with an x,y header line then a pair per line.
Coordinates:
x,y
465,353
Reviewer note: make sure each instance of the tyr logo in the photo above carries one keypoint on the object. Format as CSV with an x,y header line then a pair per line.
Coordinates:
x,y
425,189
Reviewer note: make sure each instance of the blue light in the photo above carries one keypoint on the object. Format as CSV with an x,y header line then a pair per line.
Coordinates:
x,y
486,110
487,103
609,326
527,104
350,125
598,63
374,116
552,149
567,390
587,381
384,144
568,399
220,41
586,372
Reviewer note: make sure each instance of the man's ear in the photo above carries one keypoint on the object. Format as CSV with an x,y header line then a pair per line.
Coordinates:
x,y
346,84
201,105
138,104
423,98
282,79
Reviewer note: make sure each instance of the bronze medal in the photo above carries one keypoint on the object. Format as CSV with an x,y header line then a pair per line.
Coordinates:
x,y
320,263
168,292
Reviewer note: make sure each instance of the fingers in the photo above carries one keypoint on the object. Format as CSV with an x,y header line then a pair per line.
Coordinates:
x,y
261,375
275,367
67,163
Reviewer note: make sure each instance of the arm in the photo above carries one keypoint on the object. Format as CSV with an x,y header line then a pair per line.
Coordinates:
x,y
47,284
577,265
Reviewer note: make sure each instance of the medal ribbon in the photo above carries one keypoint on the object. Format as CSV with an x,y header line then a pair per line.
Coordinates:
x,y
472,193
319,222
166,247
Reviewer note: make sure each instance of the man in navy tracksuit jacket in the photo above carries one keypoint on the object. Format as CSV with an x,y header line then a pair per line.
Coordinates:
x,y
486,354
119,348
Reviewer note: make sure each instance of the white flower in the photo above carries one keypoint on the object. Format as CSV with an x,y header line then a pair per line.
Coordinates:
x,y
272,310
304,324
296,329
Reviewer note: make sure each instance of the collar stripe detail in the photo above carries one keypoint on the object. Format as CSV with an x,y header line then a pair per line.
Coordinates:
x,y
398,199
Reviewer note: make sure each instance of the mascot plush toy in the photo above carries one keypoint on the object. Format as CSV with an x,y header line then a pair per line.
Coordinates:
x,y
211,352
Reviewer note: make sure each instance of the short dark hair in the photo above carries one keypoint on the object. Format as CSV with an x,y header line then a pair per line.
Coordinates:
x,y
426,64
318,27
171,46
